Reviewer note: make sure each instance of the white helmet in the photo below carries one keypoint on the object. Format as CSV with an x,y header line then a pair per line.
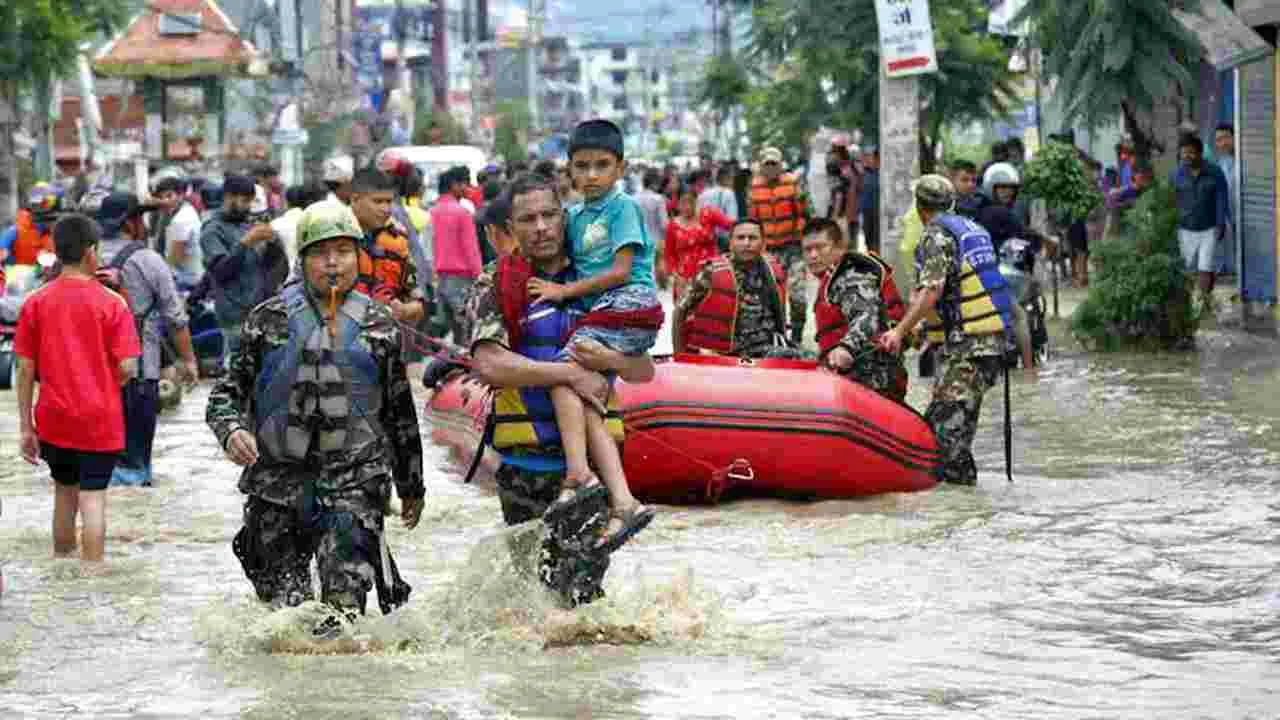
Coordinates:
x,y
999,174
339,169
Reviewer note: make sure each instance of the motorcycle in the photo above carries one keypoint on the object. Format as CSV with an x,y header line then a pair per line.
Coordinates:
x,y
20,280
1018,266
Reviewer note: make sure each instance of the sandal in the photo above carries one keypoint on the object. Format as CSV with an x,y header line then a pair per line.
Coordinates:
x,y
567,503
633,520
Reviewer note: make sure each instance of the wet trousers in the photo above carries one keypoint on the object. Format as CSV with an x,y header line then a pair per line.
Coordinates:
x,y
953,412
567,564
275,548
141,399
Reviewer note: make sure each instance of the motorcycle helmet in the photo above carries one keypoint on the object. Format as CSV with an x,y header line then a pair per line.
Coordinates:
x,y
997,175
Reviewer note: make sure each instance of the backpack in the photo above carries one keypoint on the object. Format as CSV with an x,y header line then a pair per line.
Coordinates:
x,y
112,275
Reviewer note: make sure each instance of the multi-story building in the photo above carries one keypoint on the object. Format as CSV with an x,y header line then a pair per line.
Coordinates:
x,y
628,83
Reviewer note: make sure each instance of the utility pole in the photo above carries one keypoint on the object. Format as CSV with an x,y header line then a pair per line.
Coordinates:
x,y
537,13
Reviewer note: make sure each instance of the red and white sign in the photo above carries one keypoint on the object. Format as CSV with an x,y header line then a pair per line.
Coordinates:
x,y
906,37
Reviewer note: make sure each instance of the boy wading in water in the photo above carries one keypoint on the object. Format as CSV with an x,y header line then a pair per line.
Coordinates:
x,y
80,340
614,258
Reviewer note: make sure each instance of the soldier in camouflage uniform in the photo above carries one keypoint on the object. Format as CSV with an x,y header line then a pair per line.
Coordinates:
x,y
737,303
971,362
852,310
317,408
570,563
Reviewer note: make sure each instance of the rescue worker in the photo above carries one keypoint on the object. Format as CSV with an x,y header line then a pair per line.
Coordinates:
x,y
737,303
514,346
823,243
856,303
32,234
964,301
776,203
317,408
387,270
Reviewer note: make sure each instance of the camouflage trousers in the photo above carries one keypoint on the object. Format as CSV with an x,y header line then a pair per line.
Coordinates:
x,y
276,545
887,377
953,412
568,564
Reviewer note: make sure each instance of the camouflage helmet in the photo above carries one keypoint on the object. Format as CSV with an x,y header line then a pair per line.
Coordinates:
x,y
326,220
934,192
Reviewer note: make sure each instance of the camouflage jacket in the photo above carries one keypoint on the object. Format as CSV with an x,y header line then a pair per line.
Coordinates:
x,y
757,323
858,296
938,266
357,479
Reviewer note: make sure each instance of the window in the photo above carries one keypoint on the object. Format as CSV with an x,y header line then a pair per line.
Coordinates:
x,y
619,53
620,103
654,78
619,77
657,103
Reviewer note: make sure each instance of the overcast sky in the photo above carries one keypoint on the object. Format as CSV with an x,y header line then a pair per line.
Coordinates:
x,y
625,19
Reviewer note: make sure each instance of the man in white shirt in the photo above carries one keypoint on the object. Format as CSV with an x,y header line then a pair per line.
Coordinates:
x,y
721,196
181,232
298,197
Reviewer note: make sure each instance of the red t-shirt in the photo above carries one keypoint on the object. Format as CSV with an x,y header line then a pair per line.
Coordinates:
x,y
77,332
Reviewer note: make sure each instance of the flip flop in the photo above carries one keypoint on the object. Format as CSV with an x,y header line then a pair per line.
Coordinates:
x,y
633,521
562,508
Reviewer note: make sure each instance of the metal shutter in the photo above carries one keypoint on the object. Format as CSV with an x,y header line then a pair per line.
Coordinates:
x,y
1258,180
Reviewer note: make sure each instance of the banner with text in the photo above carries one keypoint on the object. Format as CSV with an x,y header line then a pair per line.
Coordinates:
x,y
906,37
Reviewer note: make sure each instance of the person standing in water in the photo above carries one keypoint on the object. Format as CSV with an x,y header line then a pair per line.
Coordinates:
x,y
78,338
317,408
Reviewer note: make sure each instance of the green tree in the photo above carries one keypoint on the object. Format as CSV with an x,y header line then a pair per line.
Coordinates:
x,y
829,68
452,131
40,40
512,131
1110,55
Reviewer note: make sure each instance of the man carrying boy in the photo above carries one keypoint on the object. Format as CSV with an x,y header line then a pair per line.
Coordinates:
x,y
79,338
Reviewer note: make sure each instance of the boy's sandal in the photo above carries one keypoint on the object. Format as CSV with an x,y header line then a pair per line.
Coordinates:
x,y
567,503
633,520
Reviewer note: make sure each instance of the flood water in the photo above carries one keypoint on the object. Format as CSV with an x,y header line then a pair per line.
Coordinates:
x,y
1130,571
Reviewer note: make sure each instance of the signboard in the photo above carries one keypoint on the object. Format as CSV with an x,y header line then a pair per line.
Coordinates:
x,y
1226,40
283,136
906,37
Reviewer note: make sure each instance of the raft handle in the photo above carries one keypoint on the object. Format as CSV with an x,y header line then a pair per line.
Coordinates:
x,y
739,470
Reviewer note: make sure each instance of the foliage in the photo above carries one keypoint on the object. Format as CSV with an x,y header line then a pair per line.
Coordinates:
x,y
40,39
1110,55
1140,297
976,153
511,134
829,65
725,83
452,131
1057,176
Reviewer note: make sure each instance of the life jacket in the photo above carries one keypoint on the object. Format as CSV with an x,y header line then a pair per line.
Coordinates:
x,y
282,434
830,319
383,268
711,325
31,240
525,417
979,302
779,209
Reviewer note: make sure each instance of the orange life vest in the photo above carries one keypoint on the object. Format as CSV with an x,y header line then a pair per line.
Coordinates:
x,y
30,241
384,271
779,209
711,325
832,324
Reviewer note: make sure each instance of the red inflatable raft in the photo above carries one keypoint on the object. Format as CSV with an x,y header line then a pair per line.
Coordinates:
x,y
709,426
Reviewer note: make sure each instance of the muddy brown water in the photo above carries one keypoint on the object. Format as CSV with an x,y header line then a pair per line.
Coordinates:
x,y
1130,571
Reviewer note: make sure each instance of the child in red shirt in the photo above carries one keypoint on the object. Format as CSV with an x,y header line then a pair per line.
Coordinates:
x,y
79,339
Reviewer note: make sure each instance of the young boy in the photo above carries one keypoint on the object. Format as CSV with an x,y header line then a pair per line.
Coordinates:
x,y
79,339
614,258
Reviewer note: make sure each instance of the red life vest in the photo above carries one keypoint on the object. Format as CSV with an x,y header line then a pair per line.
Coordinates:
x,y
711,325
832,324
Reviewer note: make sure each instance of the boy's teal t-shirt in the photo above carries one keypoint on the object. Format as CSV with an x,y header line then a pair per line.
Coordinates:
x,y
600,228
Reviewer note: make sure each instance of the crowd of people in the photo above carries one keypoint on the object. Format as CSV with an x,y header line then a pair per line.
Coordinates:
x,y
545,280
